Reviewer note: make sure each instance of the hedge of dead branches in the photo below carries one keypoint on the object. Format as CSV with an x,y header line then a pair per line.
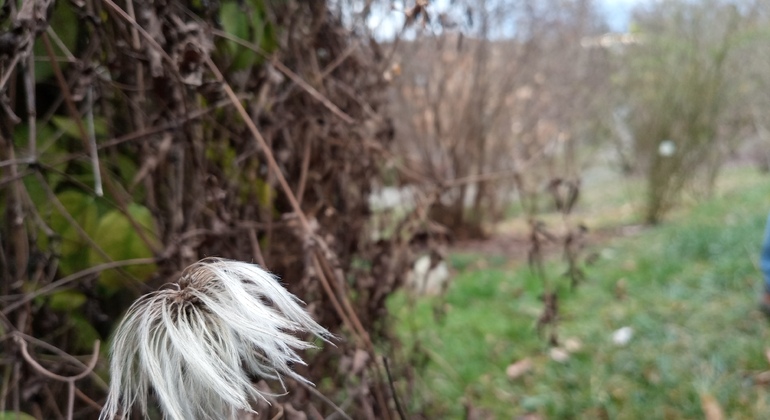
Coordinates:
x,y
138,137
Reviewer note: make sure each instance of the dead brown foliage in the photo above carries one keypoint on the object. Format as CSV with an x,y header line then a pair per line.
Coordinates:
x,y
272,163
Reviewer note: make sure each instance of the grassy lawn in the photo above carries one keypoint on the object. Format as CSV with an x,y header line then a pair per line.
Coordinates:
x,y
687,289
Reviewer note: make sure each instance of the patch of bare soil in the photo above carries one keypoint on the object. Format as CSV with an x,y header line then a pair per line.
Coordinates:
x,y
516,246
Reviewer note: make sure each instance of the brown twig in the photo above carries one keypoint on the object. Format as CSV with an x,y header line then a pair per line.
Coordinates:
x,y
255,248
76,276
61,353
11,67
351,313
291,75
326,400
271,162
29,88
69,57
332,296
70,380
51,401
72,109
304,170
83,397
400,410
147,37
149,131
338,60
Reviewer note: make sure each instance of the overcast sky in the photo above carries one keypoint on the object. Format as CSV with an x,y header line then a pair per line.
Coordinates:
x,y
617,12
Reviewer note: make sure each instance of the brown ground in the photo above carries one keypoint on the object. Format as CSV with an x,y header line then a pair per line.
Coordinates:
x,y
515,245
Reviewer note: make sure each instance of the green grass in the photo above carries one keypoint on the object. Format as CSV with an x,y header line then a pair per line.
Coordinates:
x,y
688,288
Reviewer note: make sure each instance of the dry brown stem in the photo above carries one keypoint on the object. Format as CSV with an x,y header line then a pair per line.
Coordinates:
x,y
69,380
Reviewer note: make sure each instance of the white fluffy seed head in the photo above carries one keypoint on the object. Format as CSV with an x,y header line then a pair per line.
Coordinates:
x,y
197,344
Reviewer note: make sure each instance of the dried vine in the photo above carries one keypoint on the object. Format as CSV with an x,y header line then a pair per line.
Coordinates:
x,y
247,130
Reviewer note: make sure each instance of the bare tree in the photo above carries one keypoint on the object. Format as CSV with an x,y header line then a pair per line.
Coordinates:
x,y
501,97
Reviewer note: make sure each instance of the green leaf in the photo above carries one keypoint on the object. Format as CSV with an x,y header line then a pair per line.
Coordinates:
x,y
70,127
265,193
235,22
66,300
245,20
126,168
65,23
85,333
73,248
120,241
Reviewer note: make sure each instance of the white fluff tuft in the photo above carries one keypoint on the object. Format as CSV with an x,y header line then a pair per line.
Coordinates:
x,y
198,345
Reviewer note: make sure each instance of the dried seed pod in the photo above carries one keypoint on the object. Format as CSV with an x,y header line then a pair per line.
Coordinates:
x,y
197,344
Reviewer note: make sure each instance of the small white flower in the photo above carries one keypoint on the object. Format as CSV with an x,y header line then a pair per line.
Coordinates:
x,y
198,345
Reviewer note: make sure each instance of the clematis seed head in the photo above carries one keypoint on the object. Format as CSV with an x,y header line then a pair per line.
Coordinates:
x,y
197,344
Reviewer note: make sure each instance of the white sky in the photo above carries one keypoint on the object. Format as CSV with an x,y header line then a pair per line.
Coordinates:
x,y
386,23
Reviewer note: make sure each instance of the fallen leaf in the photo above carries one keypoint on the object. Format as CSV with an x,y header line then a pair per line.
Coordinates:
x,y
519,368
559,354
572,345
711,408
762,378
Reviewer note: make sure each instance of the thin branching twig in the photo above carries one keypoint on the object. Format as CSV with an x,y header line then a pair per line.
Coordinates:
x,y
69,380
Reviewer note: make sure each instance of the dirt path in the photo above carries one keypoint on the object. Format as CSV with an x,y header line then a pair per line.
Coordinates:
x,y
516,246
